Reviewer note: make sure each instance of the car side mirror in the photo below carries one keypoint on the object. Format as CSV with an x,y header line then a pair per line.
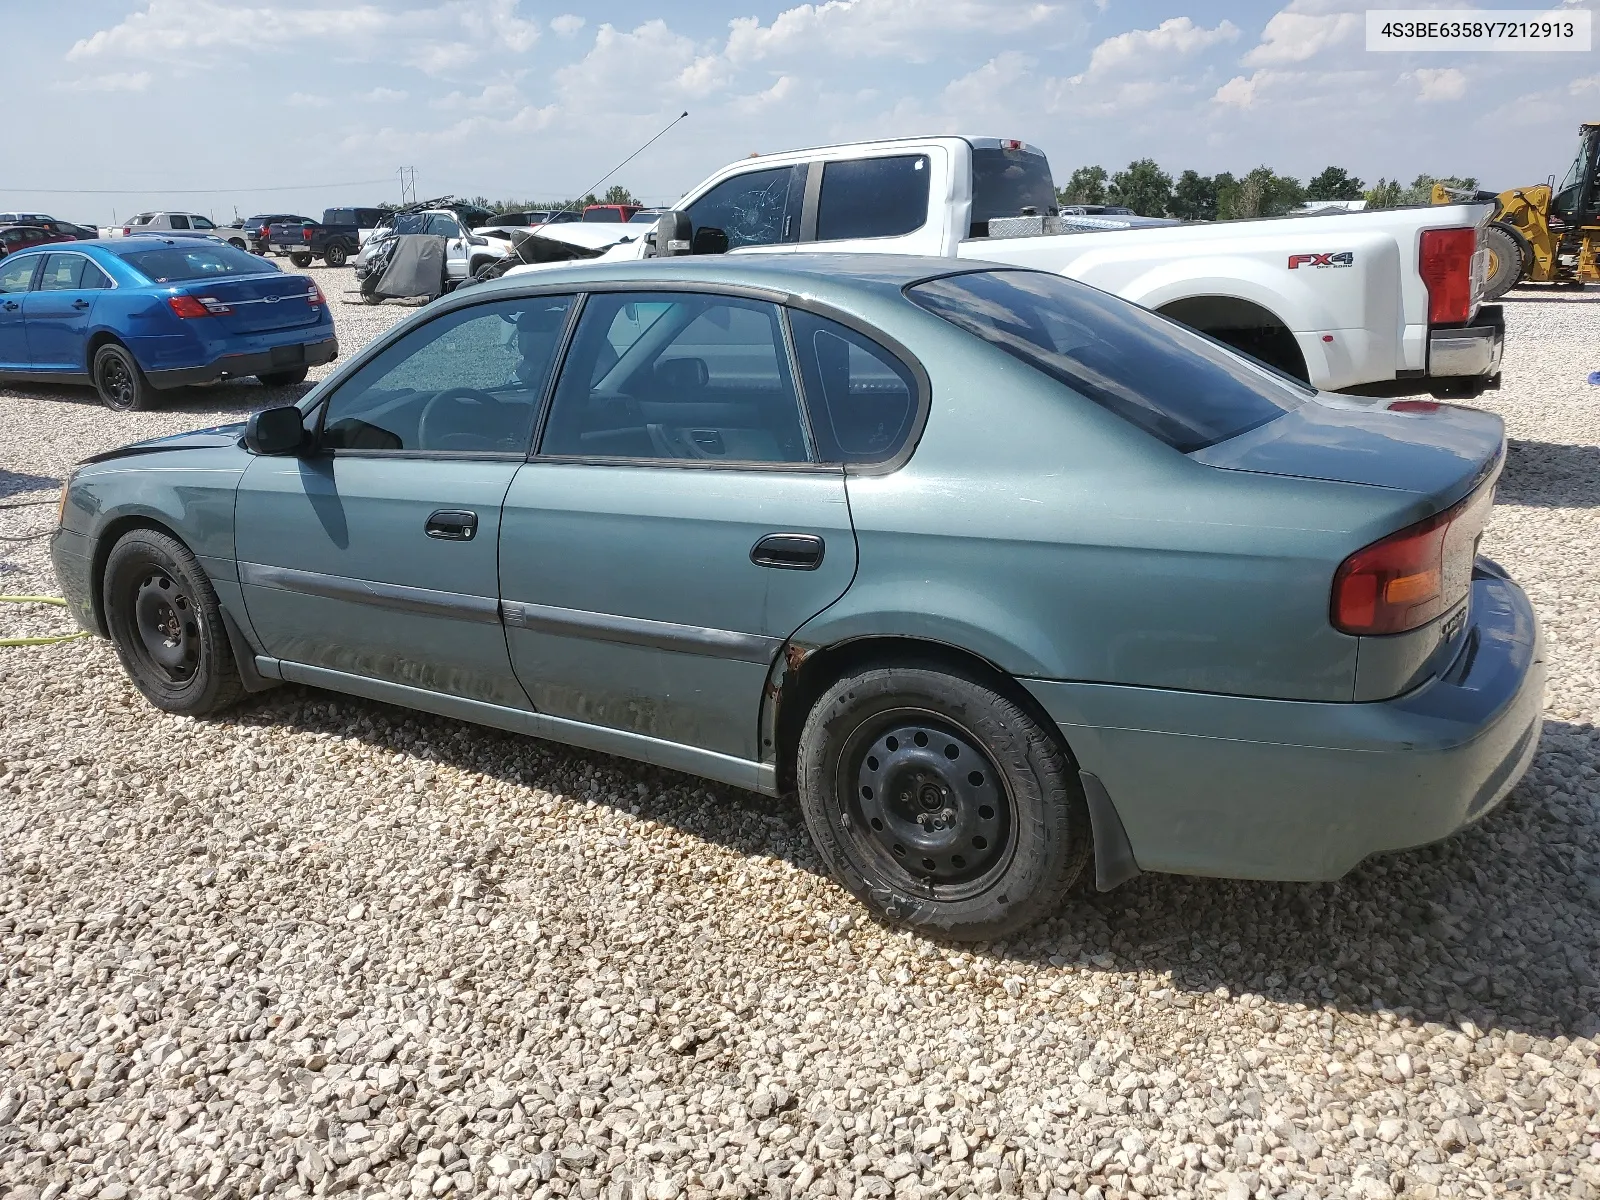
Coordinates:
x,y
280,430
671,235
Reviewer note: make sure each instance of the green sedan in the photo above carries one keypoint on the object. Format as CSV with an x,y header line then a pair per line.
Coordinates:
x,y
1009,580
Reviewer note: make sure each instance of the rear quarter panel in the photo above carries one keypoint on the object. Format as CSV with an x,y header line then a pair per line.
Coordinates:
x,y
1052,538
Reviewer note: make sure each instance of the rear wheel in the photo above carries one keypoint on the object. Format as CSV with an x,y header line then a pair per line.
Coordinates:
x,y
118,379
284,378
940,803
336,256
300,260
1505,262
166,625
237,243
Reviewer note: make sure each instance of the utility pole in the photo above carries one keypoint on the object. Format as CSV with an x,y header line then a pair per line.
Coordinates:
x,y
408,186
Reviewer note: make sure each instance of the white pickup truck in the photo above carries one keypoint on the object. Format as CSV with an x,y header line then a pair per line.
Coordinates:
x,y
1383,302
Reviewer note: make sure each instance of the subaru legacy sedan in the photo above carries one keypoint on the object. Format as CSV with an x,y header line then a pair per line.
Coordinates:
x,y
143,314
1002,575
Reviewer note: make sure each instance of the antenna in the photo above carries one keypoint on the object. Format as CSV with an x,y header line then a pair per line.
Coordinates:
x,y
590,189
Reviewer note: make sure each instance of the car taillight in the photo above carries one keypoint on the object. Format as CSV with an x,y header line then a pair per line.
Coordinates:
x,y
189,307
1446,267
314,296
1397,583
305,233
126,230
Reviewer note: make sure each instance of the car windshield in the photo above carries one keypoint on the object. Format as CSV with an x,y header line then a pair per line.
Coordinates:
x,y
1183,388
179,264
1004,182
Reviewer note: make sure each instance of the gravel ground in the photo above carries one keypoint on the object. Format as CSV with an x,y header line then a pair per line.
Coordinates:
x,y
330,946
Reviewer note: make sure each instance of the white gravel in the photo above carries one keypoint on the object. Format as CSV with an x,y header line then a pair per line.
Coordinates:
x,y
326,946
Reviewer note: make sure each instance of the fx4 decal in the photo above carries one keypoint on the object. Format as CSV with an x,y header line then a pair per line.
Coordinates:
x,y
1343,258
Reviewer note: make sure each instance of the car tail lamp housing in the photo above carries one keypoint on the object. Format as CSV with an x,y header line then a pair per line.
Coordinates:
x,y
314,296
1445,264
305,233
1403,581
190,307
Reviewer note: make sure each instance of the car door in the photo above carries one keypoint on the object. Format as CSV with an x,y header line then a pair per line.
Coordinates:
x,y
16,277
375,554
674,528
59,310
752,210
455,244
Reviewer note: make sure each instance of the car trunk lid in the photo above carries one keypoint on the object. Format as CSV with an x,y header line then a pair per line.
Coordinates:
x,y
1439,451
258,303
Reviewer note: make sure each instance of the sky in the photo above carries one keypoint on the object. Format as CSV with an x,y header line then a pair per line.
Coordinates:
x,y
291,106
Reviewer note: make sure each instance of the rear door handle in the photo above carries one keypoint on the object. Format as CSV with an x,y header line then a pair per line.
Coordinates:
x,y
80,304
10,306
789,551
453,525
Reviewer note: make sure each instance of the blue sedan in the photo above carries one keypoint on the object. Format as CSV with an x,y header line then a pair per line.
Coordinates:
x,y
144,314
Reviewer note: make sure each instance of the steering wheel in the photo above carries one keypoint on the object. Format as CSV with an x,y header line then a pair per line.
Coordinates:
x,y
428,439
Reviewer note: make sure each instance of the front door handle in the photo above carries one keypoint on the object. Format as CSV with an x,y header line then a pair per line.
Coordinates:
x,y
453,524
10,306
789,551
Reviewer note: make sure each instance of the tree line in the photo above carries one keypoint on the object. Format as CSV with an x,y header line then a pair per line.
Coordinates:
x,y
1151,192
615,194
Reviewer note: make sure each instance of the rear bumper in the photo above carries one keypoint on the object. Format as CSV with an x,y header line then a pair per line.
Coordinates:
x,y
1274,789
233,366
1473,351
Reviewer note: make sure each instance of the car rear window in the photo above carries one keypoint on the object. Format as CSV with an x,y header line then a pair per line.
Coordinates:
x,y
1004,182
1183,388
179,264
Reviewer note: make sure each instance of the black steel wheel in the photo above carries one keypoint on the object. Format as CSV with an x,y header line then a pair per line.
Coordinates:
x,y
940,802
300,260
118,380
166,624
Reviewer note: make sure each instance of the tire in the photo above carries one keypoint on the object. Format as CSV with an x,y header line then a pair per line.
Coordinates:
x,y
300,260
284,378
336,256
118,380
166,625
237,244
1505,262
940,803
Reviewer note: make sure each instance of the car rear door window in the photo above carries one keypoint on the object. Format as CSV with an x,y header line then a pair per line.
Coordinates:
x,y
471,381
677,376
63,273
861,398
1168,380
758,208
177,221
873,197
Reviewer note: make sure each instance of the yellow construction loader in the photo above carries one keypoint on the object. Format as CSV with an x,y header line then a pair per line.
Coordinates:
x,y
1545,233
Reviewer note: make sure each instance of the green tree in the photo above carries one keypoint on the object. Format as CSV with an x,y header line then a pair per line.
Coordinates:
x,y
617,194
1227,190
1334,183
1385,193
1194,197
1144,187
1086,186
1421,189
1261,193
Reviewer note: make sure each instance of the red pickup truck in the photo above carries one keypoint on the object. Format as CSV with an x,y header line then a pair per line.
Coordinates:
x,y
614,213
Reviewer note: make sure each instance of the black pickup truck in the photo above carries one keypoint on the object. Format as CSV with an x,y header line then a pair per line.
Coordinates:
x,y
335,240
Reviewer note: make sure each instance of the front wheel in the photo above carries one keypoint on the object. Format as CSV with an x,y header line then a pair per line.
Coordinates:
x,y
940,803
118,379
236,243
300,260
335,256
166,625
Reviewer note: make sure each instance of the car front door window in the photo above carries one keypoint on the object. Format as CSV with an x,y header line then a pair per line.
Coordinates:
x,y
469,381
677,376
758,208
17,275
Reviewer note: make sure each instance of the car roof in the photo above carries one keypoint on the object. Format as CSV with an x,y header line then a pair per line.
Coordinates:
x,y
807,273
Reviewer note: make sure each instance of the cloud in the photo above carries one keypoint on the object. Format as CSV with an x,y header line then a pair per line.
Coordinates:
x,y
1240,92
383,95
1438,83
1178,36
567,24
864,28
1295,37
115,81
621,67
443,36
306,100
503,96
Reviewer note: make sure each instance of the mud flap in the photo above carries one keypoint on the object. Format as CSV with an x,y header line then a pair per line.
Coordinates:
x,y
1114,863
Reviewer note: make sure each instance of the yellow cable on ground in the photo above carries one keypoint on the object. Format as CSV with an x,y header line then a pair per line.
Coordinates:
x,y
39,641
